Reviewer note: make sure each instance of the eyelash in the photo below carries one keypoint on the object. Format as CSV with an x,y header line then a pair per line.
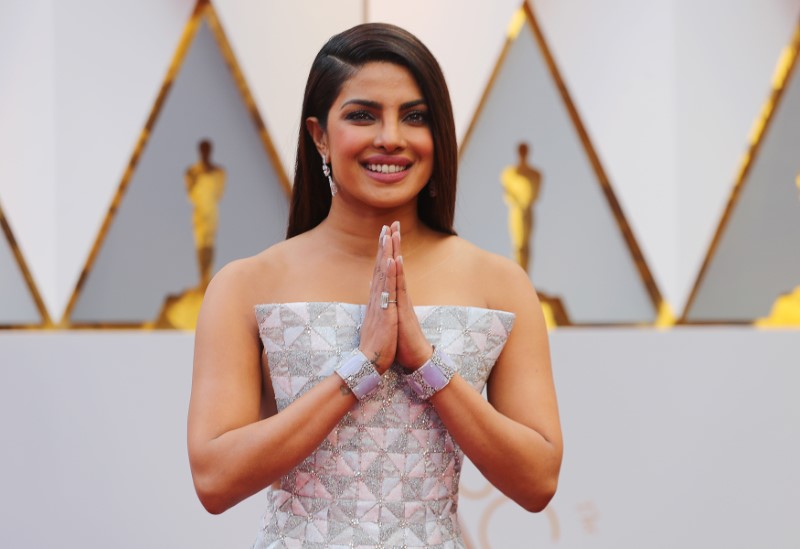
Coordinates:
x,y
413,117
419,117
359,116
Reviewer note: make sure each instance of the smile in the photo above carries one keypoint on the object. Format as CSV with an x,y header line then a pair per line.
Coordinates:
x,y
386,168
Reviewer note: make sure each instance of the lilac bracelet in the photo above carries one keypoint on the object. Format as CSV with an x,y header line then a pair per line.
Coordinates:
x,y
432,376
359,373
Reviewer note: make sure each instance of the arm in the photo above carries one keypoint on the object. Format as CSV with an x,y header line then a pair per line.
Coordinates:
x,y
234,453
515,438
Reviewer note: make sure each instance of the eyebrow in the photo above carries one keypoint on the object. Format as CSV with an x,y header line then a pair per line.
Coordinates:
x,y
375,105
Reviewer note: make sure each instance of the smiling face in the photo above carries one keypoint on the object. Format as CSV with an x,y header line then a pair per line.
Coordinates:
x,y
377,140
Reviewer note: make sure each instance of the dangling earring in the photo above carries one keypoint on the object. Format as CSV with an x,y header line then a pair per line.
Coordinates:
x,y
432,189
326,171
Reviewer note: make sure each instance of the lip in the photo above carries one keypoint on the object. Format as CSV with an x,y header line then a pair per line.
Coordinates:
x,y
387,159
390,160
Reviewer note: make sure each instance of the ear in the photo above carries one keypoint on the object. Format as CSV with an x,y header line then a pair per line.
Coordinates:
x,y
318,135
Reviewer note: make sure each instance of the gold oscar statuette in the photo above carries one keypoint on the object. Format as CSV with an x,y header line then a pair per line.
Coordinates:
x,y
522,184
205,185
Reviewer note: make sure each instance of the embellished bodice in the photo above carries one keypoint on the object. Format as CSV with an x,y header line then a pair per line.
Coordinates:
x,y
387,476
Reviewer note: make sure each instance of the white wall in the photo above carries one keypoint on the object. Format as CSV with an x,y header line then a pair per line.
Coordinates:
x,y
27,134
686,438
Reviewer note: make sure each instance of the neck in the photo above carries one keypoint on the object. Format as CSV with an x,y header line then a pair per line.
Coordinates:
x,y
356,232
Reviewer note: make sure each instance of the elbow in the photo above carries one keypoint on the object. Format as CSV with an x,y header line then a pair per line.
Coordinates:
x,y
211,485
543,486
211,490
540,490
212,499
213,505
537,501
219,486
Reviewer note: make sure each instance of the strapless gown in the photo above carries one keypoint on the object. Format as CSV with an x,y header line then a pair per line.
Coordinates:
x,y
387,475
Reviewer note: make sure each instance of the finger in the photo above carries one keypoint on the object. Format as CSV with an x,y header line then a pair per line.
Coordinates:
x,y
379,311
396,238
379,252
391,288
384,231
388,251
402,293
391,278
396,243
384,240
378,284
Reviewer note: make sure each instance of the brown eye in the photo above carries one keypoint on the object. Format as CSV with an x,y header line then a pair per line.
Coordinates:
x,y
360,116
418,118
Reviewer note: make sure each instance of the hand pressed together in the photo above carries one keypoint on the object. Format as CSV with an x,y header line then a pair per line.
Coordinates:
x,y
392,333
379,328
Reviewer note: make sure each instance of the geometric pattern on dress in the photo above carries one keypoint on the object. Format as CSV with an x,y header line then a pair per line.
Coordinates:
x,y
387,475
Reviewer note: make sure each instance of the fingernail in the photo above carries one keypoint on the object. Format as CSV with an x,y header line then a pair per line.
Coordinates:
x,y
400,259
383,234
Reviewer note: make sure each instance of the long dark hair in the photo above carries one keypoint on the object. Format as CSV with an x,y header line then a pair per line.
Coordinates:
x,y
338,60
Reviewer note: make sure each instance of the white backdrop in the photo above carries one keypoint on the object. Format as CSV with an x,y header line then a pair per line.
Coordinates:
x,y
686,438
668,90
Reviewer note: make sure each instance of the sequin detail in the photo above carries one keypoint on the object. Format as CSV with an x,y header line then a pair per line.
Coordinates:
x,y
387,476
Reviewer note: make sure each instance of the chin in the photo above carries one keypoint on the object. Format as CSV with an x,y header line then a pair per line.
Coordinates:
x,y
394,198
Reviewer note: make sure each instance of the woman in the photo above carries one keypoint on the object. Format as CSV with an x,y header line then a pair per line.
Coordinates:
x,y
359,413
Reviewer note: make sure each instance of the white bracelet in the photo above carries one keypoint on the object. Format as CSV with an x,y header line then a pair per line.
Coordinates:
x,y
359,373
432,376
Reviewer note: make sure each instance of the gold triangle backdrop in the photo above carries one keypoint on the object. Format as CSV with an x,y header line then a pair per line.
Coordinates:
x,y
554,305
786,308
203,12
35,296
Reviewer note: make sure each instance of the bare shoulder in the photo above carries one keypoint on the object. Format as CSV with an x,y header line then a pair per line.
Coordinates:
x,y
503,284
227,323
249,280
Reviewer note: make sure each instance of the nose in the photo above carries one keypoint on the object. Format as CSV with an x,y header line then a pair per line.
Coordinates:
x,y
390,136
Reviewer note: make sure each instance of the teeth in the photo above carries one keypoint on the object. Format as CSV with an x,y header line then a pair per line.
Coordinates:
x,y
386,168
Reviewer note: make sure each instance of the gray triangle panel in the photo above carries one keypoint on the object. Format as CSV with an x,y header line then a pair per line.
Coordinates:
x,y
149,251
578,250
758,253
17,305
